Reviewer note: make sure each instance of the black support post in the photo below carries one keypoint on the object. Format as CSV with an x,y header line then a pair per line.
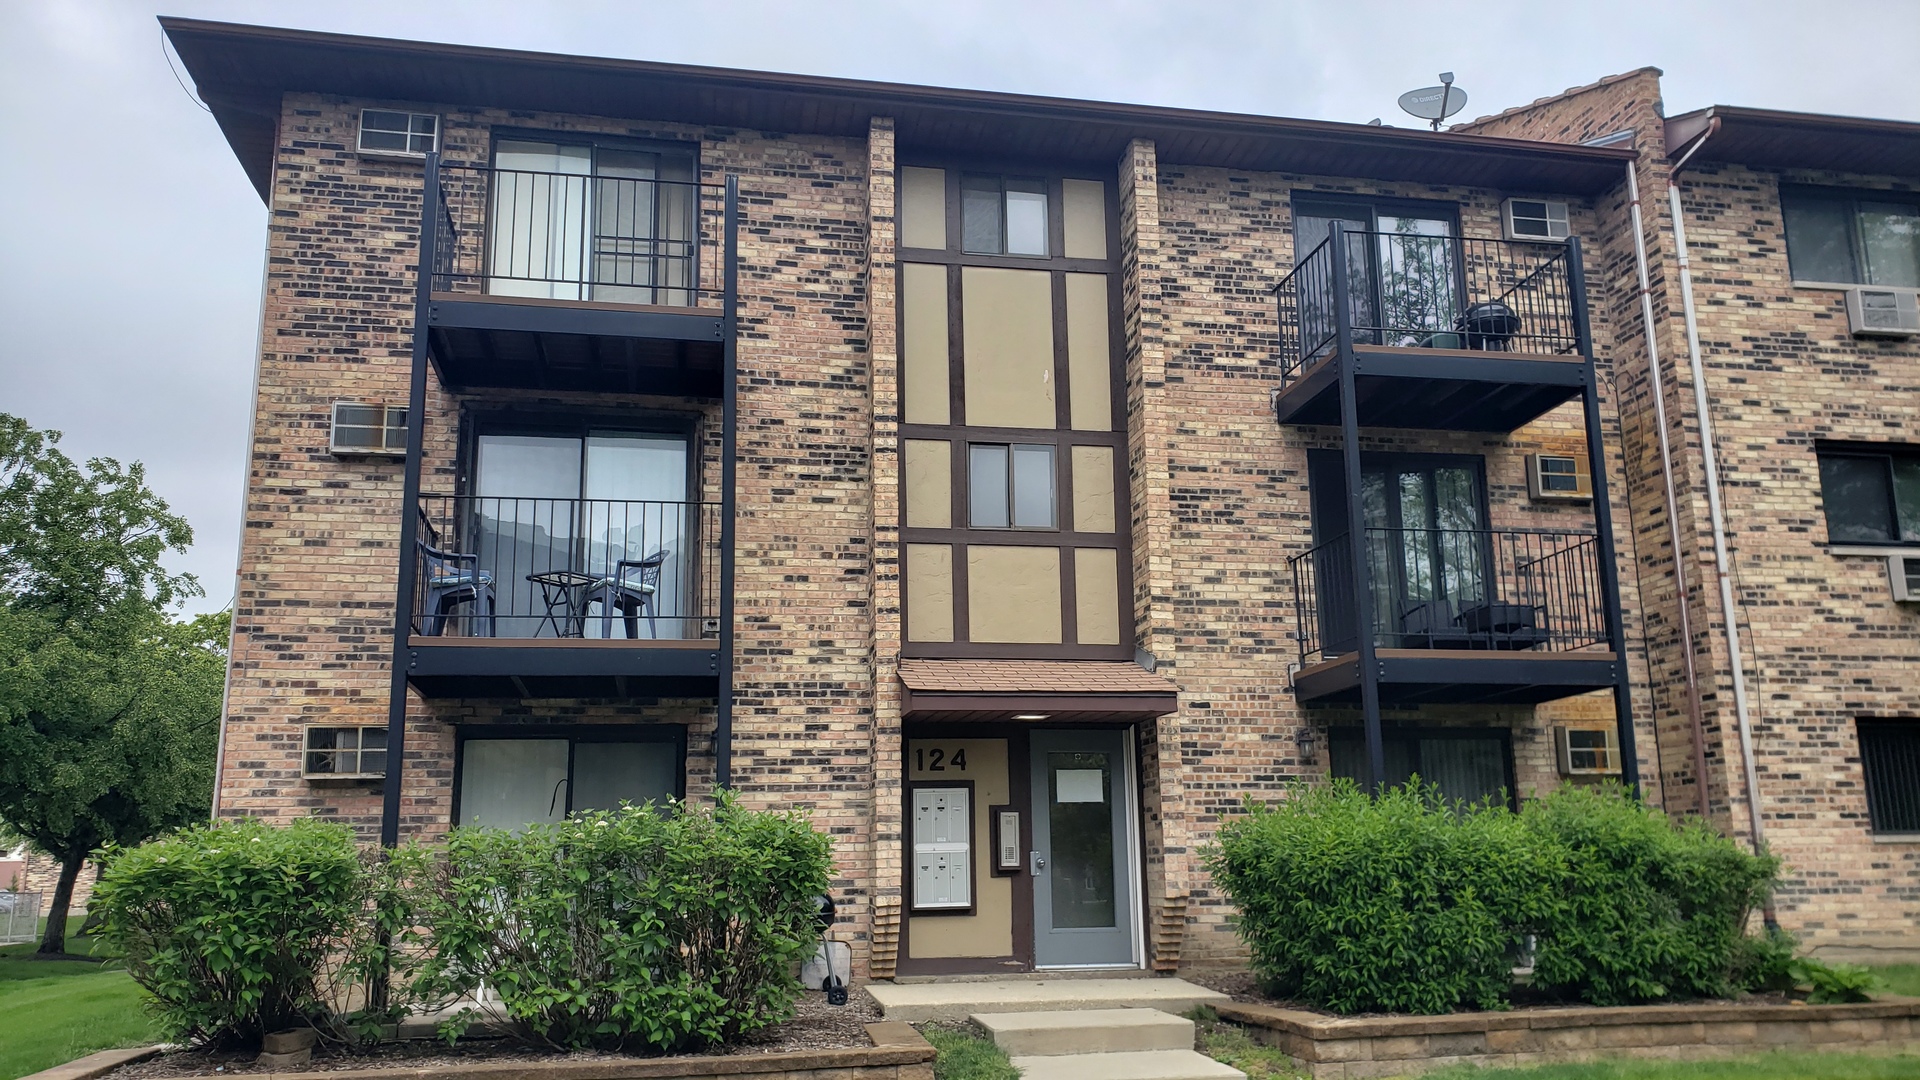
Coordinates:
x,y
1603,523
1362,598
729,415
410,503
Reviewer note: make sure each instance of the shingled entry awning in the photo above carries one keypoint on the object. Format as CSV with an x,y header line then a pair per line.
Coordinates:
x,y
1061,691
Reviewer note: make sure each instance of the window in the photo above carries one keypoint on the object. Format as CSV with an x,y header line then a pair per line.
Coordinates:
x,y
1853,238
1010,486
512,782
1890,763
1536,219
1003,215
1463,764
368,429
399,132
1872,494
340,753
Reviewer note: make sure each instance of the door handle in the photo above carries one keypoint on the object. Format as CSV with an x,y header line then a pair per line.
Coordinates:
x,y
1039,861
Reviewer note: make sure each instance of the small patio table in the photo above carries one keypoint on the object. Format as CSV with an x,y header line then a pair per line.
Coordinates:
x,y
565,594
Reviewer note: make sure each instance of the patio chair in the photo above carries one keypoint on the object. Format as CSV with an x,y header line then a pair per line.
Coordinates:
x,y
632,589
449,579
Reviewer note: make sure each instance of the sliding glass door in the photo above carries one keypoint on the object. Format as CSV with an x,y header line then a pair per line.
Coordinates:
x,y
593,222
513,782
1403,278
598,506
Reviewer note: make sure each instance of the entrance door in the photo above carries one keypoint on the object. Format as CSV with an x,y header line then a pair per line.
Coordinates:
x,y
1085,904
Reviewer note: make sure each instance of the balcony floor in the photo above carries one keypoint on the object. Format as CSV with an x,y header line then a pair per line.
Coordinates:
x,y
481,340
1459,676
472,667
1435,389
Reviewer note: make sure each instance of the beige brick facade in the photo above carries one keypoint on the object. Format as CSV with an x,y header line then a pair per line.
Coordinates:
x,y
1217,490
1825,644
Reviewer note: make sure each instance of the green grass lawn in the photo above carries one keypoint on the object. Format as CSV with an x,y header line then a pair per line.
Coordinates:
x,y
1764,1067
1901,979
52,1011
964,1054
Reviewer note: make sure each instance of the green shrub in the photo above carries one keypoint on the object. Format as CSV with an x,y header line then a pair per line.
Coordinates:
x,y
1407,904
630,929
1402,903
1834,984
237,929
1645,908
1764,961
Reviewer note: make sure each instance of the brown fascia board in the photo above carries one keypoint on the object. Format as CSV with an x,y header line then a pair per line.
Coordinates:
x,y
1796,140
242,72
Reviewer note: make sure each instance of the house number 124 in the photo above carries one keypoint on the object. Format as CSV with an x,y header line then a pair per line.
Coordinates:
x,y
938,761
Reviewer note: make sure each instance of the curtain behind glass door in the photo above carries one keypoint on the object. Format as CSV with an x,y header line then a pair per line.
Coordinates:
x,y
637,508
645,235
524,520
1310,229
1419,286
537,239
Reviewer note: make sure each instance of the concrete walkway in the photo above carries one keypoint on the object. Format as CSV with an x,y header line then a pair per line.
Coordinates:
x,y
1073,1029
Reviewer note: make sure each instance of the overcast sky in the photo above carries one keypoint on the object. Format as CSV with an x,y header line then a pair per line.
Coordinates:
x,y
131,244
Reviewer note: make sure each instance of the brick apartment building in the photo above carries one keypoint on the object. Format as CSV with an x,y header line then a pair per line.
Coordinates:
x,y
981,473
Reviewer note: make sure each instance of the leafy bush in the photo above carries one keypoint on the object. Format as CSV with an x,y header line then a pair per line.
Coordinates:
x,y
630,929
1405,903
1834,984
1402,903
237,929
1645,908
1764,961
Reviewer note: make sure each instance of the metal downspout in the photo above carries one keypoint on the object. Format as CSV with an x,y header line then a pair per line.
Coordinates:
x,y
1715,513
1695,710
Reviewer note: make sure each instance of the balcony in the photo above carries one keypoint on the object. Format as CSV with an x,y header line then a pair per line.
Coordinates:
x,y
534,597
565,281
1439,332
1458,615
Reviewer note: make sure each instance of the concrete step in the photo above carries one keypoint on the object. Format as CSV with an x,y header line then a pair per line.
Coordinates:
x,y
1135,1065
954,1002
1086,1031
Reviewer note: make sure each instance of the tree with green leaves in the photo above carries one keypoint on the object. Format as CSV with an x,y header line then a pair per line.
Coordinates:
x,y
109,709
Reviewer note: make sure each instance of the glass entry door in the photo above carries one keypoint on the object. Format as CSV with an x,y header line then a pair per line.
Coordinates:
x,y
1085,900
1403,277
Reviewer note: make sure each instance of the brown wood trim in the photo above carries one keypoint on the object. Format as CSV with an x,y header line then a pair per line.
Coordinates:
x,y
583,305
919,704
417,641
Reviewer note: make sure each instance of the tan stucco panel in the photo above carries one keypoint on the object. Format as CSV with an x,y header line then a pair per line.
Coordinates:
x,y
1013,594
923,343
1089,360
989,930
1096,595
1093,489
930,484
923,208
1007,336
1085,219
929,592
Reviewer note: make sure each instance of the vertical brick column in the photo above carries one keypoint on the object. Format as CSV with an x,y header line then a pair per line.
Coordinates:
x,y
885,869
1150,423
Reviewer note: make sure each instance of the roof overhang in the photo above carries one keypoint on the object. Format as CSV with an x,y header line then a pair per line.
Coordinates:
x,y
242,72
1033,691
1792,140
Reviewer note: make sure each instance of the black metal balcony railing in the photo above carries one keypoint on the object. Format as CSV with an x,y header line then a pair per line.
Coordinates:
x,y
1492,589
1410,290
566,568
569,236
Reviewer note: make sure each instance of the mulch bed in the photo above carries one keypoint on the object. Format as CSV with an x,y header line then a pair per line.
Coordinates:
x,y
1241,986
815,1026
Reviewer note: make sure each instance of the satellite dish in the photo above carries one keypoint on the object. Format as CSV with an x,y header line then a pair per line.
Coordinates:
x,y
1435,103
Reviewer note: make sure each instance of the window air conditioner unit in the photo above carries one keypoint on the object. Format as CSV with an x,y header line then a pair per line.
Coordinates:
x,y
344,753
1587,751
1535,219
1562,477
1903,571
363,429
1883,312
